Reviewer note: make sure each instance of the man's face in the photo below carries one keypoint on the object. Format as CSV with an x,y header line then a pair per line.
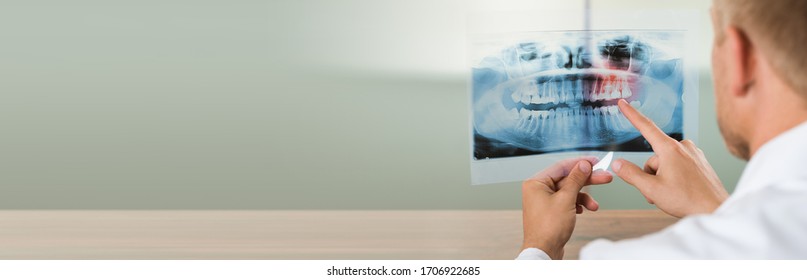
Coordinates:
x,y
729,121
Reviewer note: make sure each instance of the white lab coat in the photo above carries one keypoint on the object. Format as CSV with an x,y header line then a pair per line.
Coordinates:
x,y
765,217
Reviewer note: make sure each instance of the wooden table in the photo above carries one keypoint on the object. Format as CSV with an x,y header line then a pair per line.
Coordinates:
x,y
292,234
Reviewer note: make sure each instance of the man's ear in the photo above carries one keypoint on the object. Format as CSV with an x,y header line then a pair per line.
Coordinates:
x,y
742,61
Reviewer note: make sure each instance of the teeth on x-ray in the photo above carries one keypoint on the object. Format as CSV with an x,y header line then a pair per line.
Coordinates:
x,y
560,91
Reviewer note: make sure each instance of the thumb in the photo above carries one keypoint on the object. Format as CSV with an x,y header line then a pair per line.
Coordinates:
x,y
576,179
632,174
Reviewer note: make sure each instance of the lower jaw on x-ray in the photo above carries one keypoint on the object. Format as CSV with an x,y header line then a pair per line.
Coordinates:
x,y
559,93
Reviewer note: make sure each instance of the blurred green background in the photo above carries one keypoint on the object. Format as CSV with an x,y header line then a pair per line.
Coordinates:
x,y
314,104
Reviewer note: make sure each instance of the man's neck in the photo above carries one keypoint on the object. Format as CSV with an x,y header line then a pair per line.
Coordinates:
x,y
776,120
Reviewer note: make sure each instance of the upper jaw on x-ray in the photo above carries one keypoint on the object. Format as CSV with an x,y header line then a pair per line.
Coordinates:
x,y
561,94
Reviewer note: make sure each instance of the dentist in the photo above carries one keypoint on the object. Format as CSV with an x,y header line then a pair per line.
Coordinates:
x,y
760,73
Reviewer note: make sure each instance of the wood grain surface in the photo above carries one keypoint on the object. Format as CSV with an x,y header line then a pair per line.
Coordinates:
x,y
293,234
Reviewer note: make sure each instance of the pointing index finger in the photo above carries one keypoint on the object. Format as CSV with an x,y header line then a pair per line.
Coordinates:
x,y
649,130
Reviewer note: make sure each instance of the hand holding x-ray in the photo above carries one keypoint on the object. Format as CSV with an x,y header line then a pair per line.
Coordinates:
x,y
678,179
552,197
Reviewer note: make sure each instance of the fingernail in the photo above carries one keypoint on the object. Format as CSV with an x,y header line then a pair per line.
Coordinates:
x,y
623,101
616,165
584,166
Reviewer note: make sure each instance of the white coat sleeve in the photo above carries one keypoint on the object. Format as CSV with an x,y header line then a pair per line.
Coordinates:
x,y
767,224
533,254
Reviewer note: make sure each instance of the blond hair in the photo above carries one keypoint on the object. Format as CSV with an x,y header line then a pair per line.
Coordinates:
x,y
777,28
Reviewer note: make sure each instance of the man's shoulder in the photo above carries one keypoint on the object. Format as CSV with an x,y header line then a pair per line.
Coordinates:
x,y
780,202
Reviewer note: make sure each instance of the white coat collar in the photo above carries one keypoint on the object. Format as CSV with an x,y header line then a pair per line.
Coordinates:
x,y
782,159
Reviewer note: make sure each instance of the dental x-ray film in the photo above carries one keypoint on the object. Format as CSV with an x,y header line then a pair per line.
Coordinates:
x,y
554,94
